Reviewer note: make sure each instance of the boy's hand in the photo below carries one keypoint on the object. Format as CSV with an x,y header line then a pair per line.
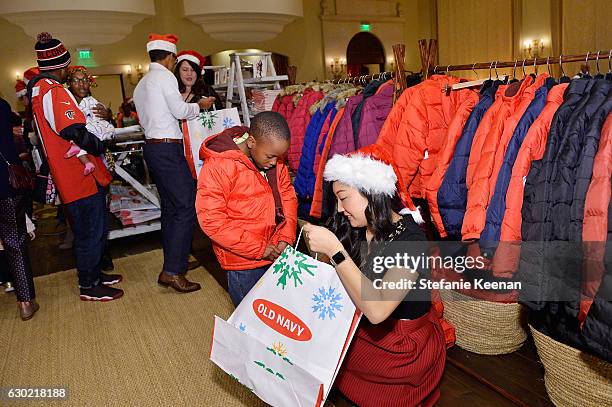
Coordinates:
x,y
281,246
271,253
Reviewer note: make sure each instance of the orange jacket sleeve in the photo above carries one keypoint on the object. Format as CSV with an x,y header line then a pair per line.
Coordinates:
x,y
211,208
286,232
120,120
411,142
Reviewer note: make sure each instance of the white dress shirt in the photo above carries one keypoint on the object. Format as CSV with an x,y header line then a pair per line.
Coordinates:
x,y
159,104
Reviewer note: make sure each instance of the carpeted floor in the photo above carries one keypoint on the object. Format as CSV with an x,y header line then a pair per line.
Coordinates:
x,y
149,348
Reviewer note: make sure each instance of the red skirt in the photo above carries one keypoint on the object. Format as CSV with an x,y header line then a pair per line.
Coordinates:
x,y
395,363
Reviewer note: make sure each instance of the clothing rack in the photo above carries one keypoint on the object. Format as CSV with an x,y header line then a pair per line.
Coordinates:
x,y
364,79
589,56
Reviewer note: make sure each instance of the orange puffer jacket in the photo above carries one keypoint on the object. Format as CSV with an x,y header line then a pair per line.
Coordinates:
x,y
505,261
445,156
238,208
480,190
423,129
596,217
387,135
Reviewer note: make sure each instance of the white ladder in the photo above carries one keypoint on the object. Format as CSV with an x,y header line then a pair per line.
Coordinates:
x,y
237,81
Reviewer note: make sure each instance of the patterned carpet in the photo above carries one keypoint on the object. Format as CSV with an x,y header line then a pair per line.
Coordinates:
x,y
149,348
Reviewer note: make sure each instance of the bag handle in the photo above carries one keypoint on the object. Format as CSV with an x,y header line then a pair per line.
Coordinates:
x,y
9,164
297,243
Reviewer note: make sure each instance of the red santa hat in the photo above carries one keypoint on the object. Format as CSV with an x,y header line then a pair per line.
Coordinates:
x,y
371,169
192,56
30,74
163,42
20,89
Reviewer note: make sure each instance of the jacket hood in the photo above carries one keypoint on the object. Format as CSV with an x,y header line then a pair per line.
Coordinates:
x,y
223,145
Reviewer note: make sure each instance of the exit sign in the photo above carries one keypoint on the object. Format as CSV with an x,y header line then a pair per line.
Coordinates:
x,y
84,53
365,27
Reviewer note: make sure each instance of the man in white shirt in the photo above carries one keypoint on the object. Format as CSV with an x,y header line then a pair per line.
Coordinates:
x,y
160,107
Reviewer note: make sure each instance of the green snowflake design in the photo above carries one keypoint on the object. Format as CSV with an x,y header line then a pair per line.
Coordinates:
x,y
292,265
208,119
267,369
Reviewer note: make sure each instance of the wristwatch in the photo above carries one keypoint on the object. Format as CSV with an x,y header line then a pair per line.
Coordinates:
x,y
338,258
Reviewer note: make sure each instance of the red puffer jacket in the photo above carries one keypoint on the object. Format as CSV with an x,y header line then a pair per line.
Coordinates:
x,y
445,156
515,100
297,125
237,208
284,106
505,261
423,129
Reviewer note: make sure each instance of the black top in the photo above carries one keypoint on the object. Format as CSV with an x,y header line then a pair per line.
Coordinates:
x,y
7,147
408,238
207,91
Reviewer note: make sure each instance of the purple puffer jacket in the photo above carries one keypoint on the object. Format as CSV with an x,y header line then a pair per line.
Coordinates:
x,y
343,137
375,111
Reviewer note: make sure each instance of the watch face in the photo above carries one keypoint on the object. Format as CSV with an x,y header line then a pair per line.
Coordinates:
x,y
338,258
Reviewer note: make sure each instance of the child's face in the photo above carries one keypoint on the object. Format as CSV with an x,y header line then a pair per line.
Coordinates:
x,y
266,151
79,85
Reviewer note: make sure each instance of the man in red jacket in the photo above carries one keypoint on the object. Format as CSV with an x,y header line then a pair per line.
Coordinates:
x,y
59,122
245,201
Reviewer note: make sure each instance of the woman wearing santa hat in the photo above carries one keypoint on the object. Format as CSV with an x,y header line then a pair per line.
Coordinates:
x,y
398,354
188,72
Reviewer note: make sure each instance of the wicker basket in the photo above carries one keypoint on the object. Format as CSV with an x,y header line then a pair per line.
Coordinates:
x,y
487,328
573,378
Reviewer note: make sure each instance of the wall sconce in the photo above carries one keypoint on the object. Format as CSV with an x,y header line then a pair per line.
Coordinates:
x,y
17,75
337,67
139,74
533,49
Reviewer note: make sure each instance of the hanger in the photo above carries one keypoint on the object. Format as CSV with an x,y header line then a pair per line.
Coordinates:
x,y
548,65
496,73
524,74
447,70
469,84
599,75
535,66
514,69
586,64
609,62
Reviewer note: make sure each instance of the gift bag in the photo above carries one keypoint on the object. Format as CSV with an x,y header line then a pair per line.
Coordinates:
x,y
206,124
288,337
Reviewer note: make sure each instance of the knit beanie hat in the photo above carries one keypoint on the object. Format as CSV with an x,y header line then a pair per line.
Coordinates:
x,y
51,53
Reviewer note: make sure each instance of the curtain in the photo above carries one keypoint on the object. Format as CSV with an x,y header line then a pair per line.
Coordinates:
x,y
474,31
586,27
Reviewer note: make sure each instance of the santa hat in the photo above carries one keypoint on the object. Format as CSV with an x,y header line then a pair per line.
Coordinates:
x,y
50,53
30,74
20,89
372,170
192,56
162,42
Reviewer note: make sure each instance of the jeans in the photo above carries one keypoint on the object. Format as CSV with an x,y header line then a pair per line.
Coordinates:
x,y
90,227
240,282
177,198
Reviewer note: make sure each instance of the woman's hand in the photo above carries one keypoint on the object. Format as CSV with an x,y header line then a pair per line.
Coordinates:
x,y
322,240
206,103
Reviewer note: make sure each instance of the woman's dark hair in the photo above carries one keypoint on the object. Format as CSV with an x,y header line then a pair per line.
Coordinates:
x,y
197,90
378,213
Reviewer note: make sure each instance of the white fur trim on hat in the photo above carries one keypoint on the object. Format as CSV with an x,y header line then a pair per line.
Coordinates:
x,y
362,172
161,45
21,93
188,57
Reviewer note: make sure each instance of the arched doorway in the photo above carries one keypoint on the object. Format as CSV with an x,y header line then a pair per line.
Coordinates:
x,y
364,50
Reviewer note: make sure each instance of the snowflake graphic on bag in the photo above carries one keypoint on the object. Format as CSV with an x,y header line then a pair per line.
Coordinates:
x,y
228,122
292,265
327,302
208,119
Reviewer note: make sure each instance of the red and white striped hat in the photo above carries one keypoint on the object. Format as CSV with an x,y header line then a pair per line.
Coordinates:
x,y
163,42
192,56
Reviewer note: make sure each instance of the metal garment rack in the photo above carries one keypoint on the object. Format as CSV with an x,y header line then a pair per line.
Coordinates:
x,y
522,63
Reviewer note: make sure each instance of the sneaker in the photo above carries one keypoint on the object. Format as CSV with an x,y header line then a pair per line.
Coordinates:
x,y
9,287
110,279
100,292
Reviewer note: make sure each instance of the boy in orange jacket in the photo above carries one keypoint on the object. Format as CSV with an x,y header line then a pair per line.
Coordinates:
x,y
245,201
